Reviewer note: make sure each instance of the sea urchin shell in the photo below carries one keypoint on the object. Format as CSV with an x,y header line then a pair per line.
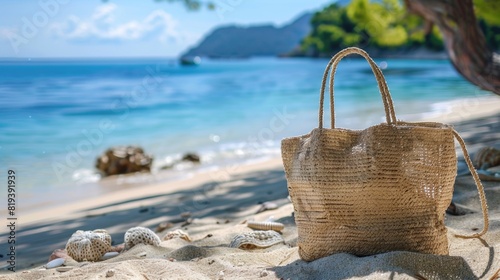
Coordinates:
x,y
140,235
88,245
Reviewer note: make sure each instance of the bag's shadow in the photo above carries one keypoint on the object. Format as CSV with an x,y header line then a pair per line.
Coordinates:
x,y
387,265
490,259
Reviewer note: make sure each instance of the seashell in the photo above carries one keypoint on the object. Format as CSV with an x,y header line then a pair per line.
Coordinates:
x,y
88,245
177,234
256,239
140,235
266,225
58,253
64,268
109,255
55,263
267,206
486,157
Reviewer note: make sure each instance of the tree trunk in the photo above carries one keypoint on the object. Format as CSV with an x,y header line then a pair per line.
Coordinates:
x,y
464,40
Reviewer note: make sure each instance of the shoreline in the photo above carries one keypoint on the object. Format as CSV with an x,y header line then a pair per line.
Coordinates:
x,y
377,53
120,199
122,188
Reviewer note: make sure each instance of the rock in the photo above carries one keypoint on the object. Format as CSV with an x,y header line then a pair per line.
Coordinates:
x,y
486,157
192,157
188,157
123,160
455,210
166,167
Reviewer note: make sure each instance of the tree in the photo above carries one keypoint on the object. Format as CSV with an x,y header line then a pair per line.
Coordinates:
x,y
381,25
464,41
381,21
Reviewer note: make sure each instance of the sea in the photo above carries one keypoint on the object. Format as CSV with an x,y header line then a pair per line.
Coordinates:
x,y
58,115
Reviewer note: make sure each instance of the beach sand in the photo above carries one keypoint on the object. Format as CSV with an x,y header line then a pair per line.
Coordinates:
x,y
220,202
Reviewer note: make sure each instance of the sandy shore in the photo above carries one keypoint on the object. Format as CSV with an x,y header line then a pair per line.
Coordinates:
x,y
219,203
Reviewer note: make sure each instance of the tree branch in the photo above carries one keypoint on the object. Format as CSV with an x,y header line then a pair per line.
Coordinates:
x,y
464,40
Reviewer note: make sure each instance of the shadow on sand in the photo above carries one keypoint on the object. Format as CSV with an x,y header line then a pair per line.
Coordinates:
x,y
36,242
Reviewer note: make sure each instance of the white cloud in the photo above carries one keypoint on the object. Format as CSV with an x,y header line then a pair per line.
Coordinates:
x,y
102,26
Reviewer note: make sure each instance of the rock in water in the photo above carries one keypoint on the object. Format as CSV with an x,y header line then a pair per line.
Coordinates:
x,y
192,157
123,160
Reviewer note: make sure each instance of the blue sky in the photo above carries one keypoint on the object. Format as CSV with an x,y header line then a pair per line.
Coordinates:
x,y
93,28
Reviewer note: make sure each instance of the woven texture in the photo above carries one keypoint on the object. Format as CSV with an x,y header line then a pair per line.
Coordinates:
x,y
385,188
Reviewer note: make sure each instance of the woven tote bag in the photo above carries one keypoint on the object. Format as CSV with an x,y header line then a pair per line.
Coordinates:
x,y
384,188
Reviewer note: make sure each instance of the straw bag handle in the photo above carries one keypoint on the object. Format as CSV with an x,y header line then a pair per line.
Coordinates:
x,y
480,189
382,85
390,115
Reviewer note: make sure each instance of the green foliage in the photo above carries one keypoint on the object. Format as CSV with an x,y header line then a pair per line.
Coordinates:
x,y
382,24
332,28
434,40
488,10
488,14
386,24
492,34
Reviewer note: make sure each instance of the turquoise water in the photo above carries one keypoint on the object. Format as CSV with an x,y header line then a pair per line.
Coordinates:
x,y
57,116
